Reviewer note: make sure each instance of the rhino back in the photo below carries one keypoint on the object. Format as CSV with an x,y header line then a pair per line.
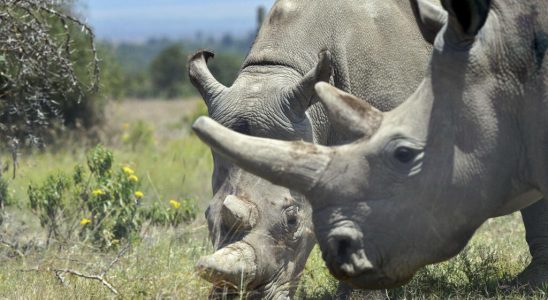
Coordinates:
x,y
379,53
378,50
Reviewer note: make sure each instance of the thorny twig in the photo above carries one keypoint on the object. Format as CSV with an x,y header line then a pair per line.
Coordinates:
x,y
96,71
38,73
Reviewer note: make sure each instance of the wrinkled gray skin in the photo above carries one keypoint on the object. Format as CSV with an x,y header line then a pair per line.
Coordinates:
x,y
415,183
262,232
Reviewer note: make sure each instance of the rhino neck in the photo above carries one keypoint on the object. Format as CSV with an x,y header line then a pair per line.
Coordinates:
x,y
535,105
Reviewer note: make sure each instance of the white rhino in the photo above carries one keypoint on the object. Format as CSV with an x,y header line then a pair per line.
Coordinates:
x,y
412,185
262,233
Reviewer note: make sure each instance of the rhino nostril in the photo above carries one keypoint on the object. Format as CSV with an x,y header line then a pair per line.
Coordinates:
x,y
343,249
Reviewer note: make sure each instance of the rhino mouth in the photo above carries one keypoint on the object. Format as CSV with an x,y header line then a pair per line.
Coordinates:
x,y
360,273
350,258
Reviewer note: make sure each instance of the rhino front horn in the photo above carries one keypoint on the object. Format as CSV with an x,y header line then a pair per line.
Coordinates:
x,y
232,265
295,165
201,77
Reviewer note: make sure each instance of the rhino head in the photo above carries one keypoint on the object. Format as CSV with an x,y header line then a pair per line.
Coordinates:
x,y
413,184
262,233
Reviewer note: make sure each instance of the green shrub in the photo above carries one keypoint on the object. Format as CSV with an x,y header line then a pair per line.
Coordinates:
x,y
173,213
101,203
49,202
111,201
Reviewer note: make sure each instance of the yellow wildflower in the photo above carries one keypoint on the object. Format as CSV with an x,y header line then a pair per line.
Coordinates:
x,y
128,170
125,126
98,192
133,178
175,204
139,194
85,221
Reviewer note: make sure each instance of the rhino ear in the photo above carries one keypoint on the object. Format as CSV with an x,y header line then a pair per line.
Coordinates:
x,y
467,17
301,95
430,18
352,117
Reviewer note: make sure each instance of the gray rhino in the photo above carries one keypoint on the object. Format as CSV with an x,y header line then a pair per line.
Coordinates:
x,y
263,233
413,184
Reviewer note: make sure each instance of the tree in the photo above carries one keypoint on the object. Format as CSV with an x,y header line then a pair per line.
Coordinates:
x,y
42,73
168,71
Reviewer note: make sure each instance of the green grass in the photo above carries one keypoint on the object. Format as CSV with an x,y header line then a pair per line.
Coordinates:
x,y
175,164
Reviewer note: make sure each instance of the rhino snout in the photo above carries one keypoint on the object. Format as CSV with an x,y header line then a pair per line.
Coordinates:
x,y
344,255
233,265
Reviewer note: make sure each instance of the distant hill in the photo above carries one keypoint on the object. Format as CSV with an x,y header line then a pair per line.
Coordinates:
x,y
136,57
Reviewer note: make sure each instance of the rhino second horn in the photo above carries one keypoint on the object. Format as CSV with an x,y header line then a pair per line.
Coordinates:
x,y
302,94
350,115
239,214
201,77
232,265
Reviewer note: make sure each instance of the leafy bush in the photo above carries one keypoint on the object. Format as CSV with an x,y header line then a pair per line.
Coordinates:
x,y
100,203
178,212
111,201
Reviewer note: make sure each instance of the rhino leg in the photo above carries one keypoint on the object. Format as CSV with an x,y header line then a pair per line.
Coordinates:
x,y
535,218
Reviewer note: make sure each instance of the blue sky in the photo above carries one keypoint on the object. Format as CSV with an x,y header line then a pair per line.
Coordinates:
x,y
141,19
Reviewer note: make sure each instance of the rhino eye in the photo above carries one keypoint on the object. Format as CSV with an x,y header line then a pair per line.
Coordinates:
x,y
405,154
292,215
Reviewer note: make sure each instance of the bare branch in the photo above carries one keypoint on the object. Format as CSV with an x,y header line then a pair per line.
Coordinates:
x,y
99,278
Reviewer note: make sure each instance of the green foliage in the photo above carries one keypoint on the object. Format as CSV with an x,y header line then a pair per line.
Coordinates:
x,y
48,201
168,71
178,212
99,162
100,203
139,135
112,200
158,67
